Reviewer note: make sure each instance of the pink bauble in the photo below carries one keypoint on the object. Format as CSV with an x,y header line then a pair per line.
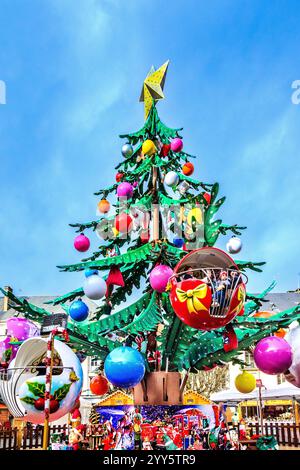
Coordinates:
x,y
125,190
273,355
21,328
160,276
176,145
135,184
81,243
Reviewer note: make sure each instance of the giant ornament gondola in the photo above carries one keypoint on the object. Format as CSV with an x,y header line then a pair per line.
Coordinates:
x,y
22,385
207,289
292,375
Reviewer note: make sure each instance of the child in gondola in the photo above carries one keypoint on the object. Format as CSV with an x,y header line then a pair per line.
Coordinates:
x,y
220,290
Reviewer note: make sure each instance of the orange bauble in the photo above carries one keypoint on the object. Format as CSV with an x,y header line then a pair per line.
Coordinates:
x,y
103,206
99,385
188,169
263,314
281,333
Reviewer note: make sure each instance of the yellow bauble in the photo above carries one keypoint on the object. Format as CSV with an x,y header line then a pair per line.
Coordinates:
x,y
148,147
245,382
196,214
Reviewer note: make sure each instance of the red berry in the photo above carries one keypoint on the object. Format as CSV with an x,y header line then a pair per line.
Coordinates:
x,y
54,405
39,404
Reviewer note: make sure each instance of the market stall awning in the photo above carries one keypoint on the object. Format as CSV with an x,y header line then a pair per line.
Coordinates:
x,y
283,391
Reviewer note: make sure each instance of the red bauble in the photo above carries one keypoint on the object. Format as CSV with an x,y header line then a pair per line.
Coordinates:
x,y
188,169
165,150
207,197
123,223
191,300
99,385
119,176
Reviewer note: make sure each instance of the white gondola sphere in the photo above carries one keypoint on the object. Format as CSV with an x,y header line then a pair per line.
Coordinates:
x,y
171,178
293,338
94,287
127,150
234,245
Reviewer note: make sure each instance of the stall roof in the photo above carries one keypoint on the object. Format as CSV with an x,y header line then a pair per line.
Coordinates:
x,y
284,391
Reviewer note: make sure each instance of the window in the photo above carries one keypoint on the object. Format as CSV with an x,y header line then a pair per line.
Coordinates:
x,y
249,360
280,379
95,362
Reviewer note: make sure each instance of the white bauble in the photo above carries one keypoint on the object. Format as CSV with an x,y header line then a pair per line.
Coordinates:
x,y
171,178
234,245
94,287
293,338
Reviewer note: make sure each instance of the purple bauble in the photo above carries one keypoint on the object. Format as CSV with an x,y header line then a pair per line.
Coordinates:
x,y
273,355
125,190
81,243
21,328
176,145
160,276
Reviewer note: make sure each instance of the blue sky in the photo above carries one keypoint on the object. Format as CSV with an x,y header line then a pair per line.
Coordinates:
x,y
73,72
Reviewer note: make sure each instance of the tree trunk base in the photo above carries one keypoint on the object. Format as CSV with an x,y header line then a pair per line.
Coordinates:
x,y
159,388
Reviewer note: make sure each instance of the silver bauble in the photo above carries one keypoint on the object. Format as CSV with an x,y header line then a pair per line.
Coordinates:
x,y
94,287
183,187
127,150
234,245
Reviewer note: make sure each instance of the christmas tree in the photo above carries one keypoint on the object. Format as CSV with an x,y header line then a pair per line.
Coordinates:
x,y
164,215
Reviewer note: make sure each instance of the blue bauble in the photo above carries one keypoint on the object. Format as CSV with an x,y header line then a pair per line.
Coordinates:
x,y
178,242
78,310
89,272
124,367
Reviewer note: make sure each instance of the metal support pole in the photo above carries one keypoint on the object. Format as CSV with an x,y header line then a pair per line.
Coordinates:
x,y
49,367
261,410
48,390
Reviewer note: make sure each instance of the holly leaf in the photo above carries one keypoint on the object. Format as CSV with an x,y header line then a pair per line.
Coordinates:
x,y
36,388
61,392
28,400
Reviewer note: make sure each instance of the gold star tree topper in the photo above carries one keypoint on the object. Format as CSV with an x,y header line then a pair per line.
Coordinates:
x,y
153,87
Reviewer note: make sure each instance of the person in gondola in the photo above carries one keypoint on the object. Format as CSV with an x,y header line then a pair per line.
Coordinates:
x,y
188,274
208,276
220,291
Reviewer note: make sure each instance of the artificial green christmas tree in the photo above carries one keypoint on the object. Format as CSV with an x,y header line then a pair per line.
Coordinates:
x,y
132,256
